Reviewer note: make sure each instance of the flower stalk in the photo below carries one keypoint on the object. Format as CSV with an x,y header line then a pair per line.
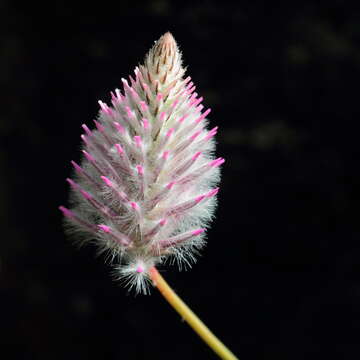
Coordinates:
x,y
190,317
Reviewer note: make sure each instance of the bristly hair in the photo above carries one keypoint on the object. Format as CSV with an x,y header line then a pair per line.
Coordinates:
x,y
145,189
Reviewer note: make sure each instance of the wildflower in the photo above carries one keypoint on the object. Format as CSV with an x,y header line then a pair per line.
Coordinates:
x,y
146,186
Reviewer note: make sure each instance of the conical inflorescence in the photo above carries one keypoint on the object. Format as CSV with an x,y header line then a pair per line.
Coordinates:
x,y
146,185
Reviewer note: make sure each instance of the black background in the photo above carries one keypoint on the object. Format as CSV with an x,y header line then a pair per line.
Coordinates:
x,y
279,278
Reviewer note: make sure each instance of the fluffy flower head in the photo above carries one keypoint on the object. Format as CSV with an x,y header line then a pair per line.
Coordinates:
x,y
146,185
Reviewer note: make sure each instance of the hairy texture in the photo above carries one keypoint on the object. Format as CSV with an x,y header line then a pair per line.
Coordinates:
x,y
146,185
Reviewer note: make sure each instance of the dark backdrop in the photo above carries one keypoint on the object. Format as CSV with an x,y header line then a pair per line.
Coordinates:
x,y
279,278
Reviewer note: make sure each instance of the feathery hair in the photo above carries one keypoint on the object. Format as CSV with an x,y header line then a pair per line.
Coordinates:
x,y
146,186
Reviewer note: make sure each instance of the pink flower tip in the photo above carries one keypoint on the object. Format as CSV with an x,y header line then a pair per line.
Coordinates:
x,y
103,106
88,156
212,132
183,118
119,127
195,135
198,101
85,194
193,96
134,205
86,129
118,94
217,162
140,269
129,112
207,112
107,181
76,166
203,116
200,198
165,155
198,232
137,140
212,193
145,123
143,105
187,79
84,139
189,85
163,222
220,162
140,169
105,228
170,185
119,149
170,132
196,156
66,212
133,92
175,103
162,116
199,108
99,126
72,183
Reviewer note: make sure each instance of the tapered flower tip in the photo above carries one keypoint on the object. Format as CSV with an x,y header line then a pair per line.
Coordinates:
x,y
167,46
167,40
164,51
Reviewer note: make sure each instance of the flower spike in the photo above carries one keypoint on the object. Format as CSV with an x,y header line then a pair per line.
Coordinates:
x,y
144,190
145,187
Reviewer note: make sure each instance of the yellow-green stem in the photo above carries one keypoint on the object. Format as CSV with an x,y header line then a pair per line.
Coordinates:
x,y
188,315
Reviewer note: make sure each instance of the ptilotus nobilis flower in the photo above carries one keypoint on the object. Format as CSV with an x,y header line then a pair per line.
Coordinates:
x,y
145,188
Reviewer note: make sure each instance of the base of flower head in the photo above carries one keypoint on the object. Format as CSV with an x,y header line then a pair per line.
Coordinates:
x,y
135,275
